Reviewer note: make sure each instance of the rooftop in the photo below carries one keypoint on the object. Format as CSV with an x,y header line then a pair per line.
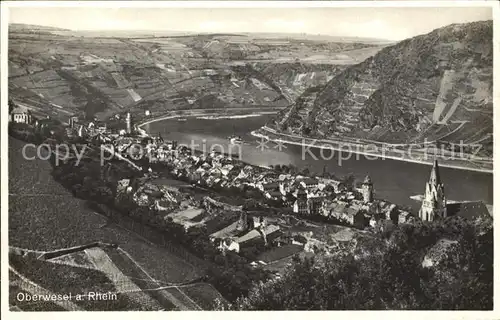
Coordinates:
x,y
310,181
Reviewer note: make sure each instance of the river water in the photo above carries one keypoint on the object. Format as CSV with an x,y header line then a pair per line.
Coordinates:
x,y
393,180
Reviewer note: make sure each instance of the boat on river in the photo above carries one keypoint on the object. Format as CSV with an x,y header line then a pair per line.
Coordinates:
x,y
235,140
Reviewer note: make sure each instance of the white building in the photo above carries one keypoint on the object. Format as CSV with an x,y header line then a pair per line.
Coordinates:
x,y
229,245
19,115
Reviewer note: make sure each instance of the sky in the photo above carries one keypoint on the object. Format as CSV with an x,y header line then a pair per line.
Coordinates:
x,y
382,23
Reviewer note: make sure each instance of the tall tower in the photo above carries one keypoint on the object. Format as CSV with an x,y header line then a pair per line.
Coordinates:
x,y
128,120
242,224
434,202
72,122
80,131
367,188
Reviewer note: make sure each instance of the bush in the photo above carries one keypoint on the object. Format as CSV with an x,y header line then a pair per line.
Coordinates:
x,y
393,278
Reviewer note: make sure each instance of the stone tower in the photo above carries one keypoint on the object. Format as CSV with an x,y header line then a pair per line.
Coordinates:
x,y
128,120
300,205
242,224
434,202
367,188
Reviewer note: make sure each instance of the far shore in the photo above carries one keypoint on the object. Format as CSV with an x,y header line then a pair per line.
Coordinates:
x,y
442,163
220,112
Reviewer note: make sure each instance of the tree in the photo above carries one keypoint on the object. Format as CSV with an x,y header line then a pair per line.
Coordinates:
x,y
290,198
329,189
348,181
304,172
12,105
251,204
392,276
105,194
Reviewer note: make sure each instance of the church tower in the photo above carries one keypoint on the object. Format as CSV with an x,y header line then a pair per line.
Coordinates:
x,y
434,202
367,188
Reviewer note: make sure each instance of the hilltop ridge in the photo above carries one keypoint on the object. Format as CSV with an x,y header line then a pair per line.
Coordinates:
x,y
433,87
61,73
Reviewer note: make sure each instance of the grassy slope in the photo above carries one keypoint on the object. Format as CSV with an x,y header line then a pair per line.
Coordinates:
x,y
44,216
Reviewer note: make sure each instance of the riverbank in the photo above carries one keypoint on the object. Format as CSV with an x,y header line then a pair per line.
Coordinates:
x,y
219,113
343,146
415,156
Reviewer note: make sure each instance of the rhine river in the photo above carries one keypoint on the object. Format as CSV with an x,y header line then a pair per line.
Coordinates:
x,y
393,180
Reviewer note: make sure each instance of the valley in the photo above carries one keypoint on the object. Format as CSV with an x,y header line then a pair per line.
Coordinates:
x,y
67,72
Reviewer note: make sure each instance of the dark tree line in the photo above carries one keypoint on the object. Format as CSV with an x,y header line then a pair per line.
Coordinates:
x,y
230,273
393,278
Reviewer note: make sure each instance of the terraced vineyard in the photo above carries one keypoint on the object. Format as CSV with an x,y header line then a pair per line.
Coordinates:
x,y
435,87
100,76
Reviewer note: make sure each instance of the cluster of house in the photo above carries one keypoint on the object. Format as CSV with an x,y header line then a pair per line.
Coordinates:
x,y
95,130
345,207
308,196
20,115
246,231
161,197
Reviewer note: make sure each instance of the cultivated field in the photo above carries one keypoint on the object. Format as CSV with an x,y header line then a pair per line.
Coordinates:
x,y
102,75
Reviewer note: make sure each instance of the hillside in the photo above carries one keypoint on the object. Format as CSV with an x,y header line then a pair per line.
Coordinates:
x,y
22,27
63,73
433,87
297,77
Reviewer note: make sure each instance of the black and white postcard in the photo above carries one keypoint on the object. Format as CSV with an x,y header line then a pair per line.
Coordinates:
x,y
226,156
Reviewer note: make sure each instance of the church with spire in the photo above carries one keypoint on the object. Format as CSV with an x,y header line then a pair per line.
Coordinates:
x,y
434,201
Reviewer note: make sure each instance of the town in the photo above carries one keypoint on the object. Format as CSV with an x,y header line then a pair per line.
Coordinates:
x,y
320,199
260,159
